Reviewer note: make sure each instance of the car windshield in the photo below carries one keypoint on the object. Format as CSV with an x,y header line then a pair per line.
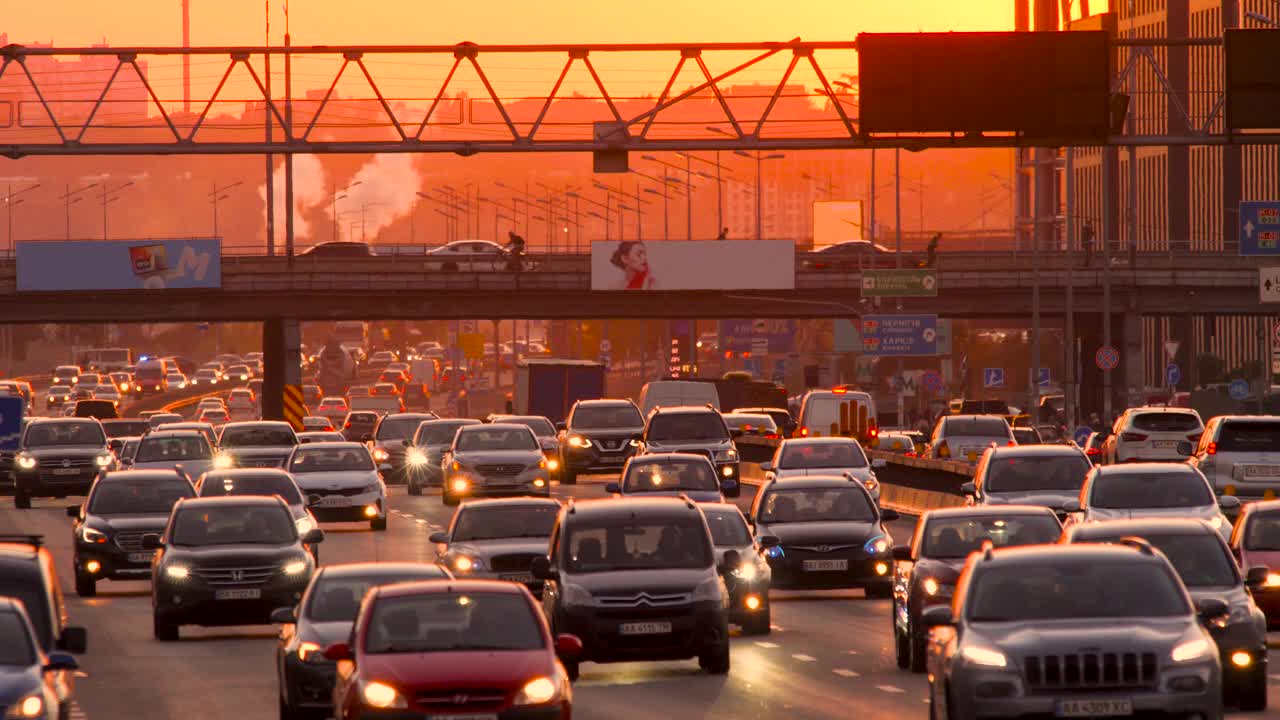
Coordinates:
x,y
397,428
30,590
444,622
1200,559
686,426
828,504
15,641
1072,591
540,426
439,433
142,496
493,523
984,427
362,418
1166,422
1249,437
956,537
492,438
215,485
638,544
129,449
1122,490
1263,533
670,475
822,455
605,417
64,433
1036,473
173,449
258,436
728,528
347,458
336,598
232,524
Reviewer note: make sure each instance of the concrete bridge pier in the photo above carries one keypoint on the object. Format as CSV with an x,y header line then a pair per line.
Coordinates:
x,y
281,363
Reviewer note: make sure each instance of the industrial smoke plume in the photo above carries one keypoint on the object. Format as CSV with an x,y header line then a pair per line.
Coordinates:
x,y
309,190
383,191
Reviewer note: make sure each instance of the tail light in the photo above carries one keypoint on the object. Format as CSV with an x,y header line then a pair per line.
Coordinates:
x,y
874,431
1093,451
1012,443
771,436
1132,437
943,450
804,432
346,426
1212,448
910,453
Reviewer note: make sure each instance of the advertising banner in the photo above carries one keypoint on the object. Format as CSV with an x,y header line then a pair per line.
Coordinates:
x,y
747,335
78,265
693,265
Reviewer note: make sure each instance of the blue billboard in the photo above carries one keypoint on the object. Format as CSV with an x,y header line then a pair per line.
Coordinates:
x,y
899,335
78,265
739,335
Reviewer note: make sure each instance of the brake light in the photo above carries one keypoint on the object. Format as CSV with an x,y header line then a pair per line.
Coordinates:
x,y
1012,443
839,391
346,426
1132,437
771,436
804,432
1212,449
1093,451
874,431
943,450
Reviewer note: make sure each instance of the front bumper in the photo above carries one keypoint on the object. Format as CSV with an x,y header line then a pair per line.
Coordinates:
x,y
113,563
309,686
695,628
41,482
348,508
593,459
191,602
739,591
861,571
529,482
557,711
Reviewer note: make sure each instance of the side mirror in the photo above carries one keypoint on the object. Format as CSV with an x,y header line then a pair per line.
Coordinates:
x,y
568,646
936,616
731,561
541,568
366,438
902,553
73,511
613,487
151,541
889,515
1229,502
337,651
1211,609
731,488
439,538
73,640
766,466
61,661
1185,448
1071,506
768,541
283,616
1257,577
969,489
313,536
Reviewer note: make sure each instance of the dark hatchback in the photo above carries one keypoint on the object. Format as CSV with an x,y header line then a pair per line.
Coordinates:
x,y
227,561
33,683
257,444
121,509
831,535
324,617
598,437
391,440
59,457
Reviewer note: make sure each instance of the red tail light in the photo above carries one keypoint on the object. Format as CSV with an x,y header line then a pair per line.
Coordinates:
x,y
771,436
1093,451
1132,437
804,432
910,453
1012,443
1212,449
874,431
347,426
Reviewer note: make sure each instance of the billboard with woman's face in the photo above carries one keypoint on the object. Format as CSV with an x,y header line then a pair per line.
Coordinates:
x,y
693,265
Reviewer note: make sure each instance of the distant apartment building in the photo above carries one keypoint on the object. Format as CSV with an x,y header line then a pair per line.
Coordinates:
x,y
70,86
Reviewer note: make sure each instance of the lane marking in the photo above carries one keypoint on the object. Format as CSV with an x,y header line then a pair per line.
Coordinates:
x,y
767,645
420,521
891,689
850,652
846,672
804,658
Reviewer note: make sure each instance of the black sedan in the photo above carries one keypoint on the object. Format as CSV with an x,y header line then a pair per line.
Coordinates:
x,y
927,570
831,535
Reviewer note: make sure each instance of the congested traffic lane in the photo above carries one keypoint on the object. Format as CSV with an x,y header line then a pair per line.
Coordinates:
x,y
829,655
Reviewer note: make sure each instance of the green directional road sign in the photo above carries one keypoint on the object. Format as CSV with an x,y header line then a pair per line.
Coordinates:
x,y
900,283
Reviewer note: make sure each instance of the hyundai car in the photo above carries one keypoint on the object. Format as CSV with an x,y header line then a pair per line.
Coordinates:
x,y
492,460
341,482
498,539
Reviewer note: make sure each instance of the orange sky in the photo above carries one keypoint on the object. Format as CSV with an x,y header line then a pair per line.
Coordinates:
x,y
157,22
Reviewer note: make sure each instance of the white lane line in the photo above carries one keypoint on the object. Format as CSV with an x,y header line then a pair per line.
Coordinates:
x,y
420,521
846,672
891,689
850,652
804,658
767,645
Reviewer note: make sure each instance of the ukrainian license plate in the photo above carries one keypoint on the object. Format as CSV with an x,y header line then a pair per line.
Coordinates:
x,y
1164,444
66,471
1261,470
239,594
971,451
825,565
334,501
490,716
525,578
139,557
644,628
1095,708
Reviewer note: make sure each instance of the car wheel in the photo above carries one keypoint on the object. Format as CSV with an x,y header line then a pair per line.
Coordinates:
x,y
568,477
1253,693
21,500
716,660
164,630
760,622
879,591
901,648
571,668
918,651
86,586
378,524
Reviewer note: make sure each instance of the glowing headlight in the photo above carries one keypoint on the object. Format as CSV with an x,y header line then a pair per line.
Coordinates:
x,y
309,652
984,656
380,455
1273,580
1241,659
297,567
876,546
459,485
92,536
580,442
634,443
177,572
746,571
223,462
553,464
305,524
462,563
1216,521
537,691
31,706
416,457
931,586
381,695
26,462
1197,649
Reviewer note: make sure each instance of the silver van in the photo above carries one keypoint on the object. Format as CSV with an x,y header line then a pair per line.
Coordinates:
x,y
677,393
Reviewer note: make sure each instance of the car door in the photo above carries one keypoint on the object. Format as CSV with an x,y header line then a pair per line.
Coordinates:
x,y
551,586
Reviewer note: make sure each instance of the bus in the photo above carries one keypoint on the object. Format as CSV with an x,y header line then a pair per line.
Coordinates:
x,y
105,359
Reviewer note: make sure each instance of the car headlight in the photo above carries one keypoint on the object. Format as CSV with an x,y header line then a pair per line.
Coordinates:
x,y
381,455
746,571
634,443
463,563
876,546
985,657
93,537
576,595
103,460
309,652
177,572
936,589
709,590
538,691
553,464
26,462
295,567
1273,580
304,524
223,462
872,484
416,457
775,552
31,706
382,695
729,455
579,442
1217,522
1197,649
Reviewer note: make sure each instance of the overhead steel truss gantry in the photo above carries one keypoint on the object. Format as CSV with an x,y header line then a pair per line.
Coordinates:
x,y
40,117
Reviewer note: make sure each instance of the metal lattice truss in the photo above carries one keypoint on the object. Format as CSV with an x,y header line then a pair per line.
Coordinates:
x,y
769,96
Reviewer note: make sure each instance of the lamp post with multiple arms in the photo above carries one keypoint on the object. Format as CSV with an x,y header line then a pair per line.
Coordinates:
x,y
11,200
109,196
759,157
334,196
71,197
218,194
688,186
668,184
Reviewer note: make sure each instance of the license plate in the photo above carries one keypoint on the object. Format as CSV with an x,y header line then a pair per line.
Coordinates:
x,y
1164,444
463,717
1261,470
66,471
334,501
524,578
1095,708
644,628
825,565
139,557
240,594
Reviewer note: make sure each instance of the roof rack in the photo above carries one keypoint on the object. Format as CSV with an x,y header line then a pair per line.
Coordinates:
x,y
1138,544
572,508
21,539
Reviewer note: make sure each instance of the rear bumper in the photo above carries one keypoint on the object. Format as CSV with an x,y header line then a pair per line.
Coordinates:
x,y
694,629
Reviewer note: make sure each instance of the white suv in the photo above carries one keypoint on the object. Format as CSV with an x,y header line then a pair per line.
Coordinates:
x,y
1240,455
1153,434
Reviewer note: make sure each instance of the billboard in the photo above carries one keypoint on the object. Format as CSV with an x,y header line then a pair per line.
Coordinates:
x,y
693,265
836,222
739,336
77,265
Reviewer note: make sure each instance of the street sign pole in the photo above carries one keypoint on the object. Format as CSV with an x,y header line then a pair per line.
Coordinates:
x,y
1069,379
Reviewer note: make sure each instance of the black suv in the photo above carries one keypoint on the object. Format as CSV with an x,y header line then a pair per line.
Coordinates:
x,y
26,573
60,457
227,561
122,507
598,437
699,430
637,579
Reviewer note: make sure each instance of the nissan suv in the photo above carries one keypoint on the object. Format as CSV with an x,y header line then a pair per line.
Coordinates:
x,y
637,579
1240,455
59,457
699,430
598,437
1073,631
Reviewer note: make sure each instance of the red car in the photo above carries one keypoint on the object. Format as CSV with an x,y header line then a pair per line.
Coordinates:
x,y
421,650
1255,541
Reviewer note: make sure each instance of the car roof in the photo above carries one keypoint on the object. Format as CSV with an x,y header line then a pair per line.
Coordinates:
x,y
682,409
66,420
630,506
381,568
257,423
448,586
502,426
1263,506
669,457
1145,468
409,416
820,441
1140,528
1034,450
617,402
164,432
802,482
988,511
20,548
334,445
232,473
762,410
972,416
1082,553
153,474
510,502
1247,418
251,500
1163,409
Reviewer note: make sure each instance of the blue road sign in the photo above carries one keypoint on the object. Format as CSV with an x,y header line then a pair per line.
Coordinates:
x,y
992,377
10,422
1239,389
1260,227
1081,434
1172,374
1043,380
932,381
899,335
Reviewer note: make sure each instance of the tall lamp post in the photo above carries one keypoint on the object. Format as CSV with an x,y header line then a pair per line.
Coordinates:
x,y
217,195
70,197
688,187
10,200
334,196
109,196
759,158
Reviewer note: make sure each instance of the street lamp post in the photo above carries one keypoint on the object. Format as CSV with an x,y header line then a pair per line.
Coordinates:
x,y
9,202
70,198
363,207
688,186
759,158
334,197
108,197
217,195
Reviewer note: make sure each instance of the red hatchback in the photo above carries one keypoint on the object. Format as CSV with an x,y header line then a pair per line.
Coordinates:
x,y
1255,541
471,648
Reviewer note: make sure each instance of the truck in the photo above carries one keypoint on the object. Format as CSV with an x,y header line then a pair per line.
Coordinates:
x,y
549,387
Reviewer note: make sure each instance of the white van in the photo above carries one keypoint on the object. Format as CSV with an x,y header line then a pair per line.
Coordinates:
x,y
839,412
677,393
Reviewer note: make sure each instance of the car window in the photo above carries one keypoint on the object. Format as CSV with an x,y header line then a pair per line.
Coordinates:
x,y
117,496
66,433
1149,490
15,641
956,537
728,528
486,438
172,449
1200,559
438,433
28,588
604,417
337,598
992,427
1035,473
822,455
816,505
635,544
686,426
272,484
1166,422
541,427
231,524
397,428
1249,437
1074,591
362,418
1264,532
669,475
258,436
443,622
340,459
492,523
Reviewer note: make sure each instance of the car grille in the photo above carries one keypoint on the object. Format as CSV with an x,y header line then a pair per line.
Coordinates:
x,y
259,461
512,563
612,444
643,600
817,549
346,492
1087,671
130,541
235,576
469,699
55,463
500,470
